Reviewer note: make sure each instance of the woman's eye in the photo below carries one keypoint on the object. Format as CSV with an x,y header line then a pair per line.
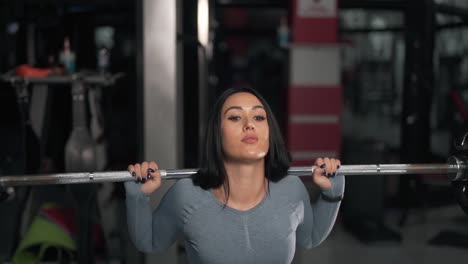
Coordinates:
x,y
259,118
234,118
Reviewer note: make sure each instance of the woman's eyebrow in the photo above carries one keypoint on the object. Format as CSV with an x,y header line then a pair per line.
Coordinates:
x,y
240,108
257,106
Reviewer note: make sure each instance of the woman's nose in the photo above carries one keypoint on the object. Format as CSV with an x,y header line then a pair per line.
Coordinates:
x,y
249,126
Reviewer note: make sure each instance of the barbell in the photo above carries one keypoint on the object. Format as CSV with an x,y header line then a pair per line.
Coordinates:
x,y
456,169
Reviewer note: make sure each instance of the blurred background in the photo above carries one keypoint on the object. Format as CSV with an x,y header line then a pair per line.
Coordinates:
x,y
368,81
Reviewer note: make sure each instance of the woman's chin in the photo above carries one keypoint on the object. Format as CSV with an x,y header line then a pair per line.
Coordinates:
x,y
252,158
247,156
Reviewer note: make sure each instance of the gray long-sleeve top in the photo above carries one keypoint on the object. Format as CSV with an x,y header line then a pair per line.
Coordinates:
x,y
214,233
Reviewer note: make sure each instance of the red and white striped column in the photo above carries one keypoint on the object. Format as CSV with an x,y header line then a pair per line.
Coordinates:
x,y
314,103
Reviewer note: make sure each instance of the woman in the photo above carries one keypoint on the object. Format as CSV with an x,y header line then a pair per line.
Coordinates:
x,y
241,207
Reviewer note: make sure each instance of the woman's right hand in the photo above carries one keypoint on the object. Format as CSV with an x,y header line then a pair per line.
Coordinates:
x,y
147,174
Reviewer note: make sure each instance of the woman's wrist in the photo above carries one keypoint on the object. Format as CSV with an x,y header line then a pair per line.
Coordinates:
x,y
331,199
335,193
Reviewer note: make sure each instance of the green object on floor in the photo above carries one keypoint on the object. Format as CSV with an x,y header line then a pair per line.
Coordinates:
x,y
45,233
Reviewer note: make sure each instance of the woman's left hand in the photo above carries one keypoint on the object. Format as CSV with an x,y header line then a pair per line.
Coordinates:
x,y
326,168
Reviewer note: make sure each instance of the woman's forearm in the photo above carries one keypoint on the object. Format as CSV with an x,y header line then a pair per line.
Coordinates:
x,y
325,212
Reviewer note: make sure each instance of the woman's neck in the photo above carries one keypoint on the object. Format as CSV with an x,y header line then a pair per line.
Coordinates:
x,y
247,185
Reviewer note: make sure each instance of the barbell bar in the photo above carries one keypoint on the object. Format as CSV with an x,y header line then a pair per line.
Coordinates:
x,y
455,168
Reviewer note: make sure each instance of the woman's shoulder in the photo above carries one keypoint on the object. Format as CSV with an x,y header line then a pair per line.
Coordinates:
x,y
186,186
186,191
186,198
290,180
289,189
289,183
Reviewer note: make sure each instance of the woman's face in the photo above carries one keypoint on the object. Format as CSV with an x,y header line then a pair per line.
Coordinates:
x,y
244,128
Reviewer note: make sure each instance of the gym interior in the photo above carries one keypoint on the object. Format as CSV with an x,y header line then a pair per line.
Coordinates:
x,y
366,81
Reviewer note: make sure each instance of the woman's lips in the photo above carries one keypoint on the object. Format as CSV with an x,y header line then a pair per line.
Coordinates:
x,y
250,139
